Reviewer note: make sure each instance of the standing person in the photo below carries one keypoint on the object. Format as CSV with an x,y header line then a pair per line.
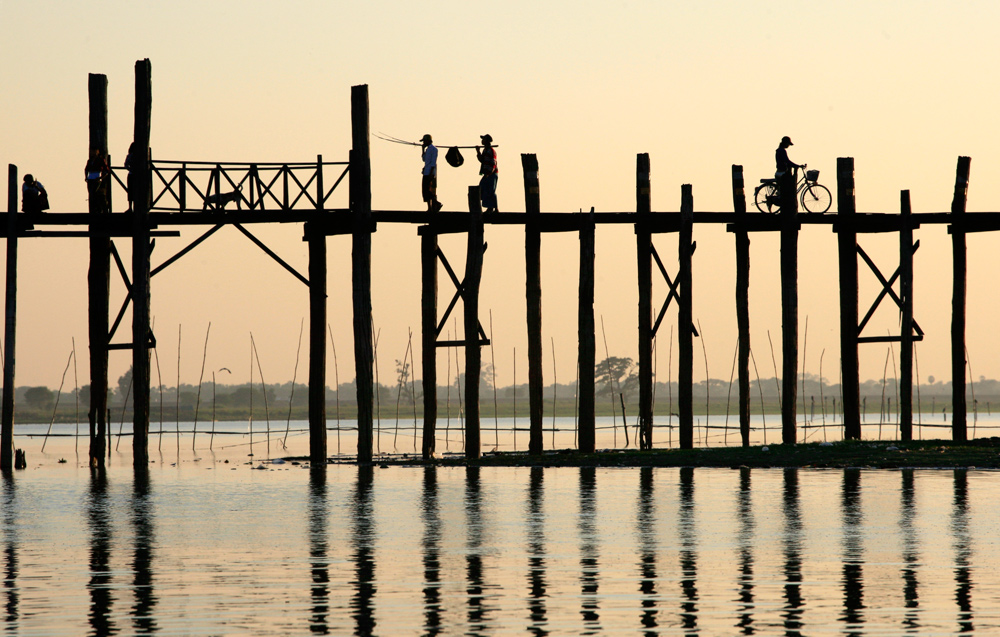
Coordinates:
x,y
428,185
34,198
781,160
95,173
130,167
488,169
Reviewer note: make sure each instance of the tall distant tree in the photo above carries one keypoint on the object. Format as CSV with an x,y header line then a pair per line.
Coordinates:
x,y
615,374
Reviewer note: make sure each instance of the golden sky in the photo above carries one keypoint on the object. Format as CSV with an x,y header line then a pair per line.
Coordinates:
x,y
903,87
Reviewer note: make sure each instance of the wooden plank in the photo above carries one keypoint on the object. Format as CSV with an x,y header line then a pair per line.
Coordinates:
x,y
958,301
361,268
742,303
473,353
533,296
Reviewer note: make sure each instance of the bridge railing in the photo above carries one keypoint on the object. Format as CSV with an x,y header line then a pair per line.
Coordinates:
x,y
197,186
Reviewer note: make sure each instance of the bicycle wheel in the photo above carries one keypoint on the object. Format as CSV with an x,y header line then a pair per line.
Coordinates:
x,y
815,198
765,198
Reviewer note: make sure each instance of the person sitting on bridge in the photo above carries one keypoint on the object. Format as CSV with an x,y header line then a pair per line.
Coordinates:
x,y
34,198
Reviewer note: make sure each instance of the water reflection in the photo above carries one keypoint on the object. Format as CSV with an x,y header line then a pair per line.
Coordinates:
x,y
962,544
474,551
589,566
689,551
362,606
853,559
645,517
744,512
99,523
536,552
318,547
793,553
911,553
432,552
12,596
143,618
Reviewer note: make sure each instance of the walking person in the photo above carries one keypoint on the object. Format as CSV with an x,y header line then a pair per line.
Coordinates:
x,y
428,185
488,169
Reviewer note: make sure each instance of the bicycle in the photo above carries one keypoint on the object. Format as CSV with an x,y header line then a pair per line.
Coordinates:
x,y
813,197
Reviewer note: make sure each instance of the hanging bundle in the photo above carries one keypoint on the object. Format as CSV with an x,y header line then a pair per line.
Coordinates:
x,y
454,157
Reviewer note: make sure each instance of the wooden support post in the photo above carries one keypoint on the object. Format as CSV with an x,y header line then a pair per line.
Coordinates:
x,y
473,353
644,263
685,325
742,302
789,304
10,310
533,294
315,231
847,247
98,279
958,419
906,329
140,266
361,267
428,334
586,338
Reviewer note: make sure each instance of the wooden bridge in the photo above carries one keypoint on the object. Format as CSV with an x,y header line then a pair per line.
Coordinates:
x,y
180,193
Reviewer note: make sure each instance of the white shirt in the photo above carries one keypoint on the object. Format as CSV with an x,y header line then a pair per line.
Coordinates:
x,y
430,159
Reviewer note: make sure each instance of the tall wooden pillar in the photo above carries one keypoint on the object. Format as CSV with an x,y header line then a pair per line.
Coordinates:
x,y
958,419
315,231
585,336
361,267
847,248
428,333
644,265
98,278
473,353
10,311
906,328
742,301
533,297
685,321
789,304
140,266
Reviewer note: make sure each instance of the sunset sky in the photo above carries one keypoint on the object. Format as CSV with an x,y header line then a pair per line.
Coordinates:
x,y
903,87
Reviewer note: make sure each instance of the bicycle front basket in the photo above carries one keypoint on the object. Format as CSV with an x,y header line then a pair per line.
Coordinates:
x,y
812,175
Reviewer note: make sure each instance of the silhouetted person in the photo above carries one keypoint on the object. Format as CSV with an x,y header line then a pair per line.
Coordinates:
x,y
130,166
488,169
34,198
781,160
429,182
95,173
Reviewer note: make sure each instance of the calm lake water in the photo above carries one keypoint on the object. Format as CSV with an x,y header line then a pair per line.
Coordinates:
x,y
216,543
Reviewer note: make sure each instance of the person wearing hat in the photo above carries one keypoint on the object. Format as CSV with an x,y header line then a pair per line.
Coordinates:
x,y
428,185
781,160
490,174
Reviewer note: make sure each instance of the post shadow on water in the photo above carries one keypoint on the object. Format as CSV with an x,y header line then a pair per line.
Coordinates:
x,y
688,533
319,562
645,519
143,619
431,544
747,528
911,552
589,563
793,553
12,596
535,519
475,586
852,532
363,539
962,545
100,584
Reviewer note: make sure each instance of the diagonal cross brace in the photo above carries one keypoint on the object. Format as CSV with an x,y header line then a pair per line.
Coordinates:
x,y
459,293
886,290
672,294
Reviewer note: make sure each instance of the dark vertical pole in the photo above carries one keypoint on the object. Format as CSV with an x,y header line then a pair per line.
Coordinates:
x,y
533,294
140,267
428,332
585,336
473,353
906,329
742,301
361,266
847,247
10,310
98,279
685,324
789,304
958,424
315,231
644,264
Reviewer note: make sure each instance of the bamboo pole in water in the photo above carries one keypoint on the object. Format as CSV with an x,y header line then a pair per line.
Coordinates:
x,y
428,334
141,200
906,327
473,350
361,272
291,395
644,263
7,435
788,218
685,325
98,280
959,259
742,302
847,247
585,335
533,295
201,379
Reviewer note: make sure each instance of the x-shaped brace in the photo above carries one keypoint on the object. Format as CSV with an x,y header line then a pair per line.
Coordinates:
x,y
671,294
886,290
459,293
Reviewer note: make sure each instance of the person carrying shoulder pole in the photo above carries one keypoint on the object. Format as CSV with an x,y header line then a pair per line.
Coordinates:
x,y
429,153
489,171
